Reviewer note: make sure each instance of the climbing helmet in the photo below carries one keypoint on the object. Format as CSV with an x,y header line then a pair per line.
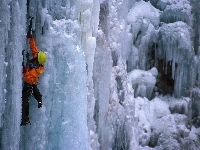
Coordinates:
x,y
42,57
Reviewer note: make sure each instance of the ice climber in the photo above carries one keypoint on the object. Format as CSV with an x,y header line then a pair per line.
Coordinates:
x,y
31,73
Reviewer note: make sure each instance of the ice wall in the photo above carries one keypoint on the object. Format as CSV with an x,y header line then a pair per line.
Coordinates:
x,y
177,22
195,5
12,27
66,124
62,121
4,23
144,21
196,109
143,35
100,86
174,46
109,114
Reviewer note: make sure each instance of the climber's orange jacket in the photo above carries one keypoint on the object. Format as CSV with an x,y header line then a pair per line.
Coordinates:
x,y
31,75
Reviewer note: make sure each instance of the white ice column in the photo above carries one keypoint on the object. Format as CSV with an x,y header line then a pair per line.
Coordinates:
x,y
12,113
4,25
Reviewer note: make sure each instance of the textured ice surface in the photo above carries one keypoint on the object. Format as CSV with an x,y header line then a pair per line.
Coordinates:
x,y
143,82
104,58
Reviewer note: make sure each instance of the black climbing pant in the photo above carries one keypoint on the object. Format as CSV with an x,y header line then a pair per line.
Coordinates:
x,y
28,90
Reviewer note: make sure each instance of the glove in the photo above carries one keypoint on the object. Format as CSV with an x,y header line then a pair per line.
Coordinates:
x,y
31,65
39,104
29,35
24,70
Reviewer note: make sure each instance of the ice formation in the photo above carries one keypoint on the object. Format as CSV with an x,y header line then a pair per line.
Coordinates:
x,y
120,74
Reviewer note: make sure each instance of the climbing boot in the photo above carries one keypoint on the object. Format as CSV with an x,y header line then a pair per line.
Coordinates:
x,y
25,121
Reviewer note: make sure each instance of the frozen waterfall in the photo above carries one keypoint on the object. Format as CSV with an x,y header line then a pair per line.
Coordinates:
x,y
120,74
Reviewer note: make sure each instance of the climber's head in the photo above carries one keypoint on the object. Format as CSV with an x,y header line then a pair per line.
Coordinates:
x,y
41,57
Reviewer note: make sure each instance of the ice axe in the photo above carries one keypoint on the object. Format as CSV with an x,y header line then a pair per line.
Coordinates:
x,y
30,29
